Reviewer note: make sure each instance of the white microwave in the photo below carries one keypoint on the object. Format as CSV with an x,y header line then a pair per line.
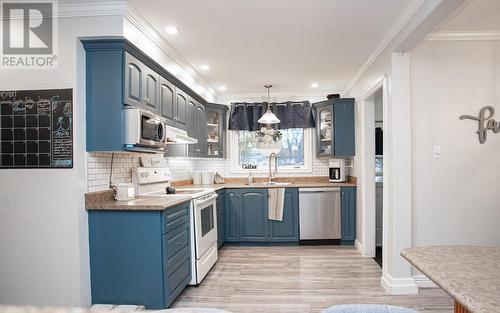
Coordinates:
x,y
143,130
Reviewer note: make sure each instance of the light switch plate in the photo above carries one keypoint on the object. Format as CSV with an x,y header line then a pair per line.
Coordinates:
x,y
437,152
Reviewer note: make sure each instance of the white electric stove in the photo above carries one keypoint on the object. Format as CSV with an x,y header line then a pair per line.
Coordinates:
x,y
153,181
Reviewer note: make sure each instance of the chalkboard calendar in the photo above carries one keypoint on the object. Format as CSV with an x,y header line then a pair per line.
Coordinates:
x,y
36,128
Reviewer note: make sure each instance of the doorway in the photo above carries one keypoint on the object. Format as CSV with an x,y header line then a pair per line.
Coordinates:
x,y
379,173
373,109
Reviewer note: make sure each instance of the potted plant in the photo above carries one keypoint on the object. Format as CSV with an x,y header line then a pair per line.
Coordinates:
x,y
268,141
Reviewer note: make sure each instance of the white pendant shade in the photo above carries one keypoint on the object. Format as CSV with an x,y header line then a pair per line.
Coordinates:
x,y
268,118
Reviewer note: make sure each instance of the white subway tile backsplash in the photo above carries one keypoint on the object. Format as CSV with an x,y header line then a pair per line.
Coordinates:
x,y
98,164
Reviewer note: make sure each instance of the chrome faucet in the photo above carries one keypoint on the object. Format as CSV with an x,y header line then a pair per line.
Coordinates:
x,y
271,176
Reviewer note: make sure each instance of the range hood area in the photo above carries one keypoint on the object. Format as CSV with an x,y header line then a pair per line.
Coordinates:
x,y
175,135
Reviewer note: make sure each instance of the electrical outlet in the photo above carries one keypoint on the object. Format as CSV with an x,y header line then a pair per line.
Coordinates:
x,y
437,152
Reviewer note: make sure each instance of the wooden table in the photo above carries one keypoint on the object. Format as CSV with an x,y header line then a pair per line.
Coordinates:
x,y
469,274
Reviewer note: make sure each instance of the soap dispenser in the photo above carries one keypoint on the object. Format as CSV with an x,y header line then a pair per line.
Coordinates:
x,y
250,178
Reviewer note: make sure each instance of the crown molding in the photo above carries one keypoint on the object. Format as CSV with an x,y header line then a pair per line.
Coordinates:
x,y
391,35
115,8
275,96
464,36
137,20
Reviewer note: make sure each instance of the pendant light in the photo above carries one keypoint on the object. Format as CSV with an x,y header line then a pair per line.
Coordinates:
x,y
268,117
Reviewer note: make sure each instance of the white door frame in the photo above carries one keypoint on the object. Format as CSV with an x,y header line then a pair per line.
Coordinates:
x,y
367,182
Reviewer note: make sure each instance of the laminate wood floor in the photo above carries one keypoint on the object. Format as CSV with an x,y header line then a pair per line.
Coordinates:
x,y
299,279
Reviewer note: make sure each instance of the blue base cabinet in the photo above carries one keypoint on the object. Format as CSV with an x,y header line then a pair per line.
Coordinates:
x,y
246,217
252,213
348,215
288,229
139,257
220,204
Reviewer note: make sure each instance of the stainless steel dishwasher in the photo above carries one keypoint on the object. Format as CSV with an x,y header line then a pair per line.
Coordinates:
x,y
319,211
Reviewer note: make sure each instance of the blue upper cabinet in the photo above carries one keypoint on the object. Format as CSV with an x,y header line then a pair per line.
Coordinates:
x,y
335,134
181,109
118,74
167,100
106,96
133,85
348,215
344,134
253,215
151,88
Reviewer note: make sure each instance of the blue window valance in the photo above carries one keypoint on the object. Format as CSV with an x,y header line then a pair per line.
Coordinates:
x,y
244,116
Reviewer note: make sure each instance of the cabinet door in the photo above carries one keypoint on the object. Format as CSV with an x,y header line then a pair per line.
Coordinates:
x,y
348,215
231,213
150,89
192,126
324,130
201,121
167,100
220,218
253,215
133,92
344,127
181,107
215,134
288,229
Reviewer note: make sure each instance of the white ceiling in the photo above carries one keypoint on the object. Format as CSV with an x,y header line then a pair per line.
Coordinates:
x,y
289,43
475,15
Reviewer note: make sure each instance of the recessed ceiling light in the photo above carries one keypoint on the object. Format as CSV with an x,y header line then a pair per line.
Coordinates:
x,y
222,88
205,67
314,85
172,30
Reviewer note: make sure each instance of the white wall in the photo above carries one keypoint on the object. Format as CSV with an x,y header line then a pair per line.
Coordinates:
x,y
43,223
456,198
380,68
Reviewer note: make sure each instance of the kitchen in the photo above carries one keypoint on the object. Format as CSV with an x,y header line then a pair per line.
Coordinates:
x,y
173,164
159,114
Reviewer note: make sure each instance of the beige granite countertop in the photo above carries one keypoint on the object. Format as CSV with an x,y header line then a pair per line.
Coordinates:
x,y
103,200
469,274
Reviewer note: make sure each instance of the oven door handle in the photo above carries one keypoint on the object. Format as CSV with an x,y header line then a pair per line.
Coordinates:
x,y
201,203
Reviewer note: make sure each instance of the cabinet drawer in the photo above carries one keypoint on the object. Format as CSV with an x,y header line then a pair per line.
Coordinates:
x,y
175,245
173,217
177,280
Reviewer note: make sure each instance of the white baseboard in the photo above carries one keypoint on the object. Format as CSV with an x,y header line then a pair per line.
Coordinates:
x,y
358,246
398,286
423,282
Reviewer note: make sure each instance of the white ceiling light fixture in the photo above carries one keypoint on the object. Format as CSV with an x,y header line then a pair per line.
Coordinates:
x,y
205,67
222,88
314,85
172,30
268,117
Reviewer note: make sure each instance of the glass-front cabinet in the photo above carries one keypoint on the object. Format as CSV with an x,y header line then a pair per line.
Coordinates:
x,y
216,116
335,128
325,130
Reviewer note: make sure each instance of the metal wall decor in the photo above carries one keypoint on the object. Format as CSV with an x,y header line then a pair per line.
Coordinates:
x,y
485,122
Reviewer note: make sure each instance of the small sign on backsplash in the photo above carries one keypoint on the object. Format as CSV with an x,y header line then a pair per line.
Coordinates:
x,y
485,122
249,166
